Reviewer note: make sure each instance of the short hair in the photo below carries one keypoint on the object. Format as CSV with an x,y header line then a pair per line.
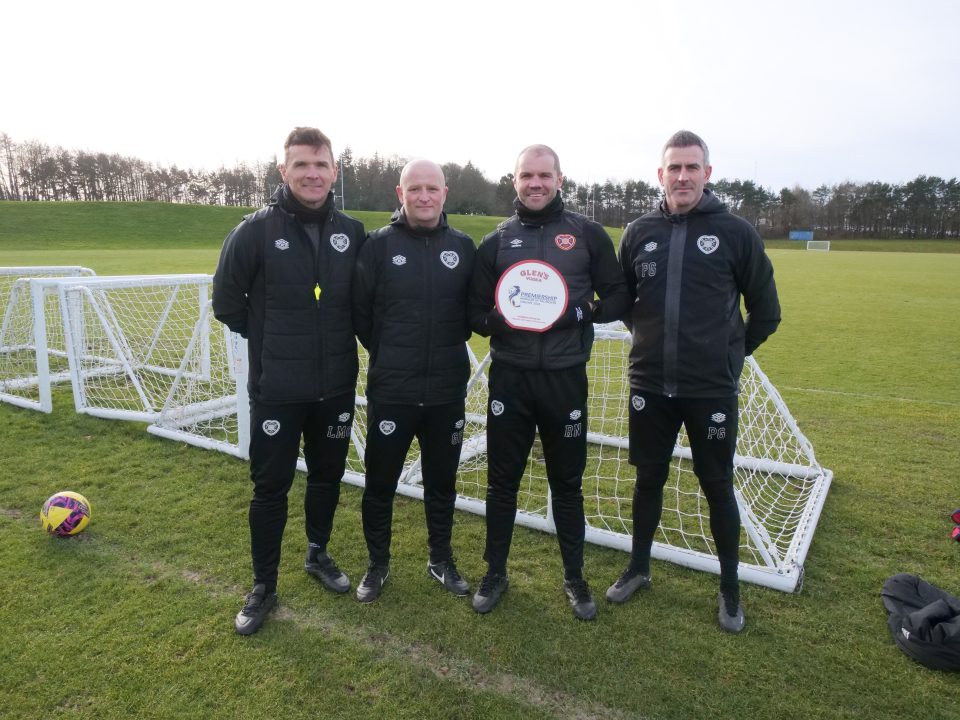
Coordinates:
x,y
539,150
307,136
685,138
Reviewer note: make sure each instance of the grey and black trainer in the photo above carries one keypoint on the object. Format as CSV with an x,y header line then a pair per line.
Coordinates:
x,y
492,587
626,585
256,605
445,573
581,599
320,565
732,622
370,587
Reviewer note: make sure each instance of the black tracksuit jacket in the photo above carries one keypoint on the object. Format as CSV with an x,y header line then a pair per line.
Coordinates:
x,y
686,275
291,302
410,312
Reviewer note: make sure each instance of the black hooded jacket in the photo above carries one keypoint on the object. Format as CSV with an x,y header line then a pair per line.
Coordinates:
x,y
686,275
410,312
291,300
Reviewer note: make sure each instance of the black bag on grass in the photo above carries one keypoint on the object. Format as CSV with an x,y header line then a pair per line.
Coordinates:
x,y
924,621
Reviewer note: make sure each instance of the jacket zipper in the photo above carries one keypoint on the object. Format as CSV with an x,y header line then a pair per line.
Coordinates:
x,y
317,292
428,306
543,257
671,320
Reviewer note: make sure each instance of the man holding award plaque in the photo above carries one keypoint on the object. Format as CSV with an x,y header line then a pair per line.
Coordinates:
x,y
540,281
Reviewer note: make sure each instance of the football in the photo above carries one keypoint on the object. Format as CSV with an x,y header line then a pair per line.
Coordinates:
x,y
65,513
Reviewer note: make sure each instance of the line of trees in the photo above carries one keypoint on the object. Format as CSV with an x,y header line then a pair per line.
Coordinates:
x,y
35,171
925,207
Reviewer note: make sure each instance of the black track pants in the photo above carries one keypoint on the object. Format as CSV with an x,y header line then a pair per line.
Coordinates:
x,y
711,426
522,401
275,432
390,431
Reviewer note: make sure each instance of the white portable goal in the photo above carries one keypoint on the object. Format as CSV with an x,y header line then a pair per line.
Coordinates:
x,y
779,484
822,245
29,323
126,337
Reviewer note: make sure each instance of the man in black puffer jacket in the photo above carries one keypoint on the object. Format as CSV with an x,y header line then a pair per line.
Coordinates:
x,y
538,380
283,282
687,264
409,308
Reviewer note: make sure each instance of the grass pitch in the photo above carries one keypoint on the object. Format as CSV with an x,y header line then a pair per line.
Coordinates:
x,y
133,618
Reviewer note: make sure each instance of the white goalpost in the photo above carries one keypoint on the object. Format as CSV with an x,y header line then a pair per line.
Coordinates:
x,y
126,338
114,338
779,484
32,347
822,245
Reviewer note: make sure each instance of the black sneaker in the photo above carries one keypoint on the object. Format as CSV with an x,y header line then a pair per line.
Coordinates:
x,y
320,565
255,608
732,622
369,588
581,600
492,587
626,585
445,573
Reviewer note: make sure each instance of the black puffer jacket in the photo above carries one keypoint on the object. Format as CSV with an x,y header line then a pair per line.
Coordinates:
x,y
583,253
410,312
291,302
686,274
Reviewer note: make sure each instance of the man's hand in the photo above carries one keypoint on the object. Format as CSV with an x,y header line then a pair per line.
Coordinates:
x,y
495,324
575,315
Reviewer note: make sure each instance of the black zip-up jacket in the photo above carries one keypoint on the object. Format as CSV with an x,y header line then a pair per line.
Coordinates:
x,y
583,253
686,274
291,302
410,312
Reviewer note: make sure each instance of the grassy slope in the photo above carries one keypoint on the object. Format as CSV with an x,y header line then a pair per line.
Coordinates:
x,y
133,617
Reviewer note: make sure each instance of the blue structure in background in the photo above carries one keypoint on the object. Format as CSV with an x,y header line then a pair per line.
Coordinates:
x,y
801,234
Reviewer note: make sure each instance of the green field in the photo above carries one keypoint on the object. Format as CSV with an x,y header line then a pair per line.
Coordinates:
x,y
134,617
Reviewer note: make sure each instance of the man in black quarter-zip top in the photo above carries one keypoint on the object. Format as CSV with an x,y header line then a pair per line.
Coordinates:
x,y
538,379
283,282
687,265
410,312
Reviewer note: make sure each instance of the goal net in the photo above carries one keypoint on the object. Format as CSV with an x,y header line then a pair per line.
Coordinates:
x,y
206,404
818,244
28,323
147,348
126,339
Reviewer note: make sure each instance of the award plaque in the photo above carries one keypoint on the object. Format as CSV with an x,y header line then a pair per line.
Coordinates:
x,y
531,295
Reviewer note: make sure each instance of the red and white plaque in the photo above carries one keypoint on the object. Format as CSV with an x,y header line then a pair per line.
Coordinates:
x,y
531,295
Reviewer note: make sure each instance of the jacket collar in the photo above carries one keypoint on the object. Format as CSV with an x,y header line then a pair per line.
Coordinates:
x,y
399,219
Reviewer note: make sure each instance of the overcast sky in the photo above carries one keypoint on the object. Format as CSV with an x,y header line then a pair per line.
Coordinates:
x,y
811,92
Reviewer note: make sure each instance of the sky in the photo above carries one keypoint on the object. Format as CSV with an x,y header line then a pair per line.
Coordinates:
x,y
801,93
